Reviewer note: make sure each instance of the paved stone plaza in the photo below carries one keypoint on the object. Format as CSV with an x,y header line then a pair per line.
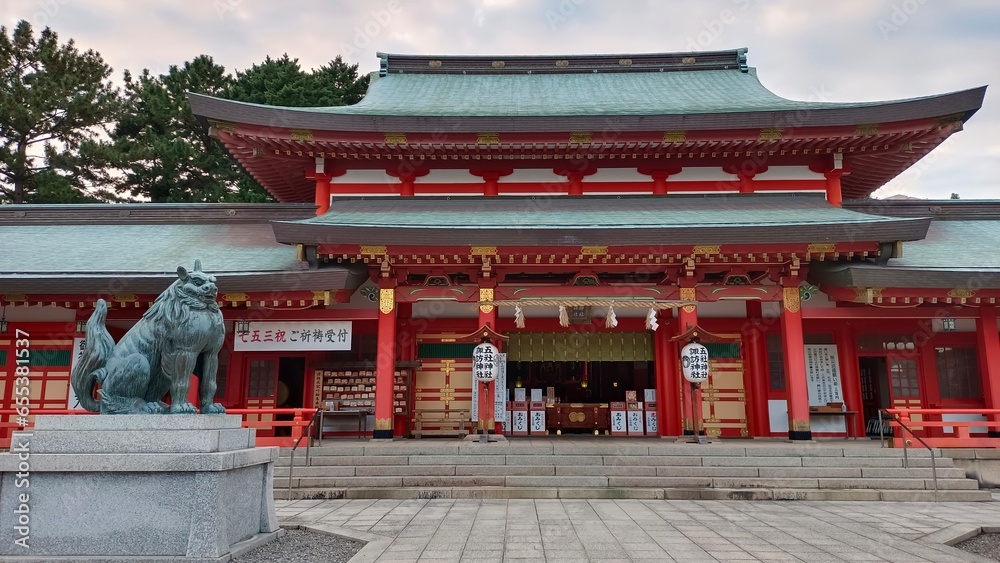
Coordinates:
x,y
645,530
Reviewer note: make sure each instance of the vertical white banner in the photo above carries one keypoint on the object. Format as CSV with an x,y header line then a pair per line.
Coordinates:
x,y
651,423
72,403
475,399
500,389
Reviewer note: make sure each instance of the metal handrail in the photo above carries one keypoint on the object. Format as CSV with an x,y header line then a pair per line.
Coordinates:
x,y
291,460
906,460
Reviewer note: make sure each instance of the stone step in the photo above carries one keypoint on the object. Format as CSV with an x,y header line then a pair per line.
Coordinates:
x,y
893,495
591,481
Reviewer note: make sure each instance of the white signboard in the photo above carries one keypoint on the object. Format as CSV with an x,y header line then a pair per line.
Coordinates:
x,y
618,421
635,422
519,394
72,402
295,335
651,422
823,375
500,390
520,422
537,422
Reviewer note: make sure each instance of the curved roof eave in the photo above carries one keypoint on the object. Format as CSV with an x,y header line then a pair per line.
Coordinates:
x,y
964,102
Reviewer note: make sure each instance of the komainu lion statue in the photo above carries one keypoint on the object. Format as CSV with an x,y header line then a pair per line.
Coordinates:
x,y
158,354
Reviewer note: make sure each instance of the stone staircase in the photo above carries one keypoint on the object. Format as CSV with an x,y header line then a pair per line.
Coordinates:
x,y
568,467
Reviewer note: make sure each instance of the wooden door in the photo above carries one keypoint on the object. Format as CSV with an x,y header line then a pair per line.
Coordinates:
x,y
724,395
871,396
442,386
904,385
262,390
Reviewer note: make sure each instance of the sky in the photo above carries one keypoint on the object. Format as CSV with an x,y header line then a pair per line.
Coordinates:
x,y
848,50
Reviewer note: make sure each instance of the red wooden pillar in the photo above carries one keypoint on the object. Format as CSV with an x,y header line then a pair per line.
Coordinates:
x,y
667,385
322,193
659,176
687,317
406,350
795,366
988,340
833,191
850,375
487,391
759,381
385,363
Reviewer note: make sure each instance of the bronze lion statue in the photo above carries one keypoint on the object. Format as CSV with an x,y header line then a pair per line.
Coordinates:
x,y
156,356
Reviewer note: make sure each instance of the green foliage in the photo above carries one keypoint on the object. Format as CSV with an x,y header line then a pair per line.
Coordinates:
x,y
164,153
954,196
282,82
67,135
55,104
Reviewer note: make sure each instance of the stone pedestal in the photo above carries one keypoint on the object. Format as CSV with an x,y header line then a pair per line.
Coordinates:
x,y
135,488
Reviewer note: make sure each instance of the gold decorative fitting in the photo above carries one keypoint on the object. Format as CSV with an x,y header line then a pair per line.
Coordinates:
x,y
395,138
373,250
624,62
819,248
484,251
14,297
434,63
593,250
800,426
581,138
486,294
707,249
790,297
906,147
227,126
770,134
487,138
674,136
235,297
562,63
124,298
498,64
383,424
386,300
946,120
866,130
961,293
689,294
689,60
300,135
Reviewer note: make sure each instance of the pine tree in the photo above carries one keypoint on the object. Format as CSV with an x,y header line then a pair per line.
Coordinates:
x,y
55,105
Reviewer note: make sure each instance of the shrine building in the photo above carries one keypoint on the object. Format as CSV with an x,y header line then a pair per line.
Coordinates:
x,y
593,214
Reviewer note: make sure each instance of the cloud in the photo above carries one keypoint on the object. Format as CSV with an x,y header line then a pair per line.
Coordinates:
x,y
852,50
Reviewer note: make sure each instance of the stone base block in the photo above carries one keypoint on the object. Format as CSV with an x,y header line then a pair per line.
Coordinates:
x,y
147,488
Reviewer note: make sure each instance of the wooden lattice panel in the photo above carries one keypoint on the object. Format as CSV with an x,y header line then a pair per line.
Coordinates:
x,y
724,399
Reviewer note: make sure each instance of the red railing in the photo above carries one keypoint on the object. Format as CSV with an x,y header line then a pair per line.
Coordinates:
x,y
301,419
947,433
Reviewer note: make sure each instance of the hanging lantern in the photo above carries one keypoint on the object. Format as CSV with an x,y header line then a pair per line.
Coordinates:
x,y
694,362
518,317
484,362
651,323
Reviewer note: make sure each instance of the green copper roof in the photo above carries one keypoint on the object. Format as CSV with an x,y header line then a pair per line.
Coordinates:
x,y
595,220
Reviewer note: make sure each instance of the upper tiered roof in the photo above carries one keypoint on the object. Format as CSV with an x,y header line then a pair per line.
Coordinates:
x,y
689,107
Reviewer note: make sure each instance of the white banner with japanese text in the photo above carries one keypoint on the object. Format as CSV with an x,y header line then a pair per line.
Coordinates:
x,y
294,335
823,375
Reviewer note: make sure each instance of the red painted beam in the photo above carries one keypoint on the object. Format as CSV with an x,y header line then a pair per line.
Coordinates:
x,y
923,312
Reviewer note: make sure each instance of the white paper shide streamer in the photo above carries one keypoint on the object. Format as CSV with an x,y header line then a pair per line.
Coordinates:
x,y
611,321
651,323
563,316
518,317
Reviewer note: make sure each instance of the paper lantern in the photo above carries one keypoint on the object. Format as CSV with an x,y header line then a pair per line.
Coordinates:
x,y
694,362
484,362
